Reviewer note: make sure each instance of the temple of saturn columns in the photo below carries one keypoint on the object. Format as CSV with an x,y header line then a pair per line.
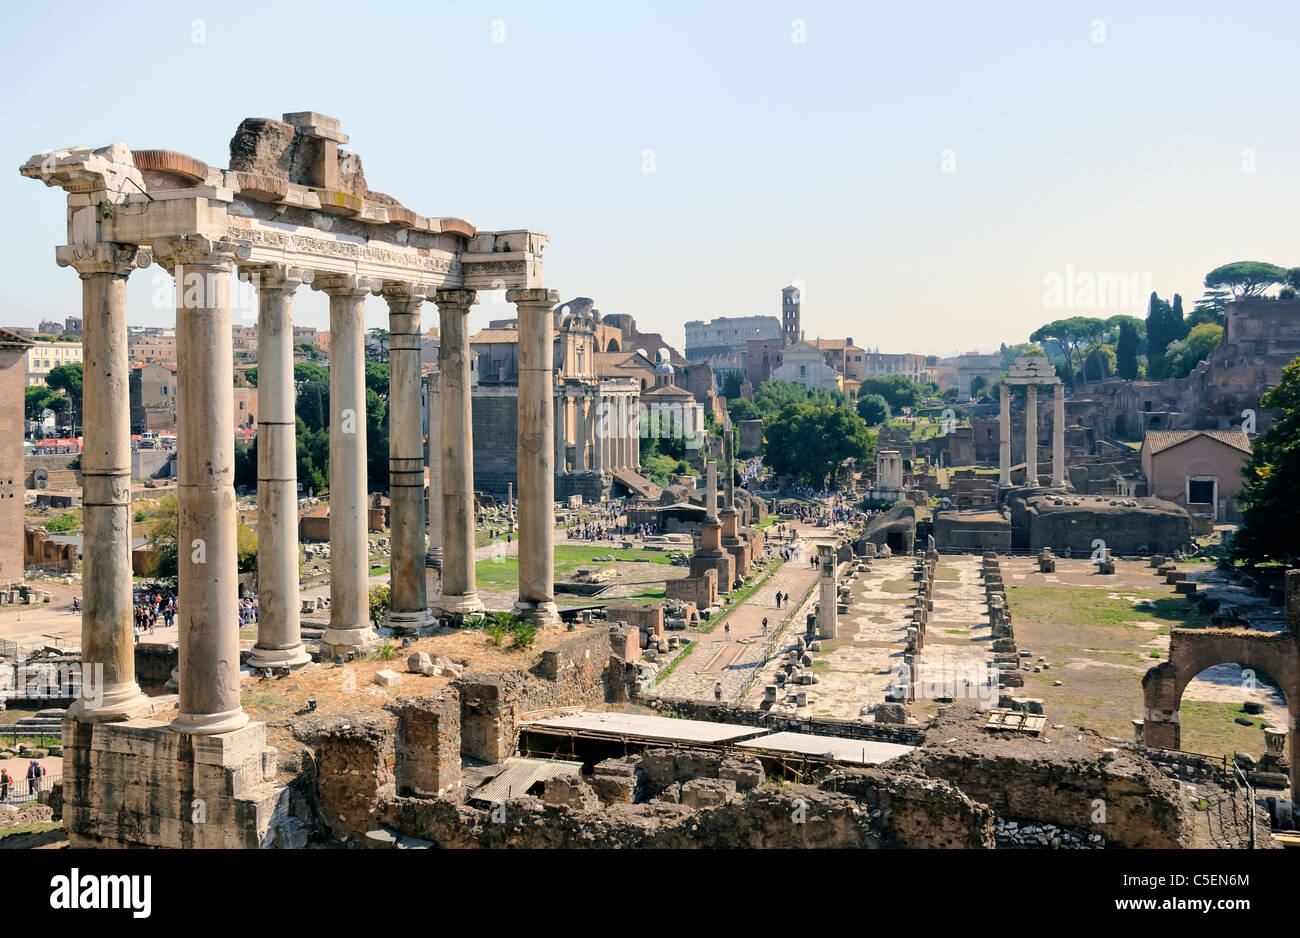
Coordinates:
x,y
292,210
1031,373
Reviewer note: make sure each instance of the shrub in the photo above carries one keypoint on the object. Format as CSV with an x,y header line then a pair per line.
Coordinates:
x,y
524,634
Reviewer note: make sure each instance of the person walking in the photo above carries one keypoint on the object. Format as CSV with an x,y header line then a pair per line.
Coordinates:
x,y
717,690
6,784
764,625
726,631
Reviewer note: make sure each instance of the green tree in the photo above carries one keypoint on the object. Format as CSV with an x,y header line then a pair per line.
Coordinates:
x,y
1270,512
873,408
37,398
163,542
898,391
1185,354
1075,336
809,443
67,378
731,385
741,409
1247,278
1126,351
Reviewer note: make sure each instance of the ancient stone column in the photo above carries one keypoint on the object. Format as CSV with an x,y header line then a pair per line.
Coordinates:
x,y
279,638
828,598
208,586
349,627
711,494
433,554
536,456
459,589
408,601
598,438
1031,434
1004,437
729,453
1058,436
107,640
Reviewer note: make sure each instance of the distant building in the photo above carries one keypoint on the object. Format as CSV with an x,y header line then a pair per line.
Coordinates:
x,y
44,357
152,390
919,368
146,346
724,342
1198,469
804,363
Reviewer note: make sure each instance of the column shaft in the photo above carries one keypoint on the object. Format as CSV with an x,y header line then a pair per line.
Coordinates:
x,y
408,603
1058,436
1031,434
107,640
1004,437
459,589
208,586
349,626
279,637
433,555
536,461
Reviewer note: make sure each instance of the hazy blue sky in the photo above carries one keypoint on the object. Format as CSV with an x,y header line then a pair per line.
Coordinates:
x,y
1162,151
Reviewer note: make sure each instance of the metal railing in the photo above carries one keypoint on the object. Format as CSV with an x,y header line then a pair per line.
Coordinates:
x,y
22,791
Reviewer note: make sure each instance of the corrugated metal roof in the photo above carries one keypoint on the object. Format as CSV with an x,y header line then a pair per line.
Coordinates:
x,y
854,751
636,725
521,774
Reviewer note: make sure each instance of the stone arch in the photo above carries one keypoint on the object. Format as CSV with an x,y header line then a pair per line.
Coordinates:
x,y
1192,651
613,346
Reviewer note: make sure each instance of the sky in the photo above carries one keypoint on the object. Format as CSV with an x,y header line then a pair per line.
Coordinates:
x,y
929,174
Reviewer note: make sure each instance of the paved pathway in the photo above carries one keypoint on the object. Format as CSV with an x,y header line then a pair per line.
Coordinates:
x,y
731,661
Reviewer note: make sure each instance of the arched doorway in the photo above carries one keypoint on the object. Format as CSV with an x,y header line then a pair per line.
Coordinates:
x,y
1217,702
1194,652
613,346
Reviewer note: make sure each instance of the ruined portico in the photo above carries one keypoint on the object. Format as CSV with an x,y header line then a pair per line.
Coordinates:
x,y
1031,373
292,209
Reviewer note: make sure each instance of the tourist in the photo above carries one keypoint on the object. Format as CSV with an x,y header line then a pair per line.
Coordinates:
x,y
726,631
76,604
35,772
6,783
717,690
764,625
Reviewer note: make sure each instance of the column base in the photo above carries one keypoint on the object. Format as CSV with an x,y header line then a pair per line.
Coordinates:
x,y
340,641
459,605
408,621
209,724
173,683
542,615
294,657
116,703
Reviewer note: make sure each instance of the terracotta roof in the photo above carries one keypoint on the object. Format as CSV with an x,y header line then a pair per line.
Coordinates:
x,y
10,338
484,336
827,345
1160,440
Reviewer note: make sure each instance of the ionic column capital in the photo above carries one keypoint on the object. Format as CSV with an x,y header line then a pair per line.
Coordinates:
x,y
533,296
346,284
199,251
275,276
455,299
102,258
405,298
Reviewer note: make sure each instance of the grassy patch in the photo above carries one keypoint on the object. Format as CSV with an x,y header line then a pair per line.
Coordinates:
x,y
1208,727
1083,605
503,572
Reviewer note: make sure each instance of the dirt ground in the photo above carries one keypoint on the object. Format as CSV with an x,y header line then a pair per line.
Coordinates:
x,y
1098,635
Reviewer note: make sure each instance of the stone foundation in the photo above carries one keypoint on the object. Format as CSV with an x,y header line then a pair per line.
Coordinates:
x,y
138,784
